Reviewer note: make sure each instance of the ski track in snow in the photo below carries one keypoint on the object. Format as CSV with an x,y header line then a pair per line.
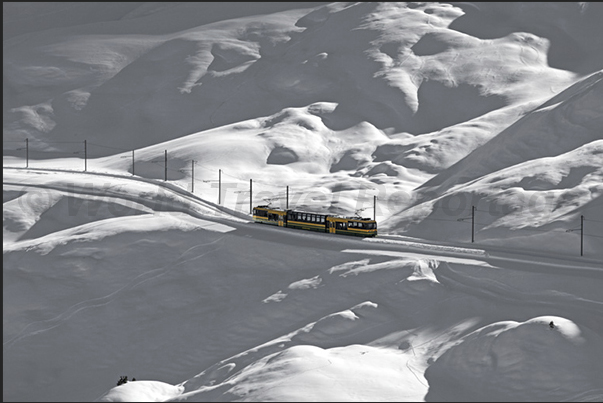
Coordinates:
x,y
139,280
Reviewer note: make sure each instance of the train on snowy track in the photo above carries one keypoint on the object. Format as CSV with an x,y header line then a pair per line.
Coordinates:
x,y
356,226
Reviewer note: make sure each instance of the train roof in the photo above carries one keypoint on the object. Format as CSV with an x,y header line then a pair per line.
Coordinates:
x,y
313,212
357,218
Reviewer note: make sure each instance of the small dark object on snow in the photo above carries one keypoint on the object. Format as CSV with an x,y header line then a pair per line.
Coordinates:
x,y
133,379
552,325
122,380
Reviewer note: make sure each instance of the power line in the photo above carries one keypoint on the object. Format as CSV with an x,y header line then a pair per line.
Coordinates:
x,y
109,147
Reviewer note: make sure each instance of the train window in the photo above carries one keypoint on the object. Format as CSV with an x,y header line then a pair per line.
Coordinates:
x,y
313,218
322,219
304,217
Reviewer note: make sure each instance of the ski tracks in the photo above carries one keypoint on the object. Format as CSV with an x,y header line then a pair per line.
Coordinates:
x,y
39,327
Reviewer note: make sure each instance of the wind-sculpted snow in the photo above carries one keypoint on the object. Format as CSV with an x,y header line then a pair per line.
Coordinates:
x,y
137,137
550,360
212,75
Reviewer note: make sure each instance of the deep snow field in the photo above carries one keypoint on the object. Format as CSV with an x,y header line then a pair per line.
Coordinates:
x,y
472,132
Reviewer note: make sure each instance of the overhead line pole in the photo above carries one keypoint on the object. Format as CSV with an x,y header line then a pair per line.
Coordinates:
x,y
375,208
472,224
192,176
581,235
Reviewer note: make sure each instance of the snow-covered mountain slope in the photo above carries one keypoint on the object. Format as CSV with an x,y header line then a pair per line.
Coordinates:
x,y
137,136
539,175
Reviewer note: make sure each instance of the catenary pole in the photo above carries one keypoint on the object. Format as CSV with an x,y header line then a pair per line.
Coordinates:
x,y
472,224
375,208
581,235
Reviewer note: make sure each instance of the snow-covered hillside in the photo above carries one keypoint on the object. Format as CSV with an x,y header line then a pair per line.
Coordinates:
x,y
136,136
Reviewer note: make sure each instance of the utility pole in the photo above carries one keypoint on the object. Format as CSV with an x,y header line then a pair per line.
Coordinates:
x,y
250,196
287,197
472,224
375,208
581,235
192,176
165,163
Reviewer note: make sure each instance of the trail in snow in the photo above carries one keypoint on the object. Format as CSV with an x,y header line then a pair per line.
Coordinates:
x,y
45,325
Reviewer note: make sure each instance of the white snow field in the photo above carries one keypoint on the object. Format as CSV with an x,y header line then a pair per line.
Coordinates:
x,y
138,135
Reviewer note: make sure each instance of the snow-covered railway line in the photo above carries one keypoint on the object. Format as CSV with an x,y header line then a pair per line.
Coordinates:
x,y
180,200
175,198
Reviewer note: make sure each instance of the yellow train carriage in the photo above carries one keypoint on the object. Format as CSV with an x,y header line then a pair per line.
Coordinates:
x,y
266,215
307,221
364,227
